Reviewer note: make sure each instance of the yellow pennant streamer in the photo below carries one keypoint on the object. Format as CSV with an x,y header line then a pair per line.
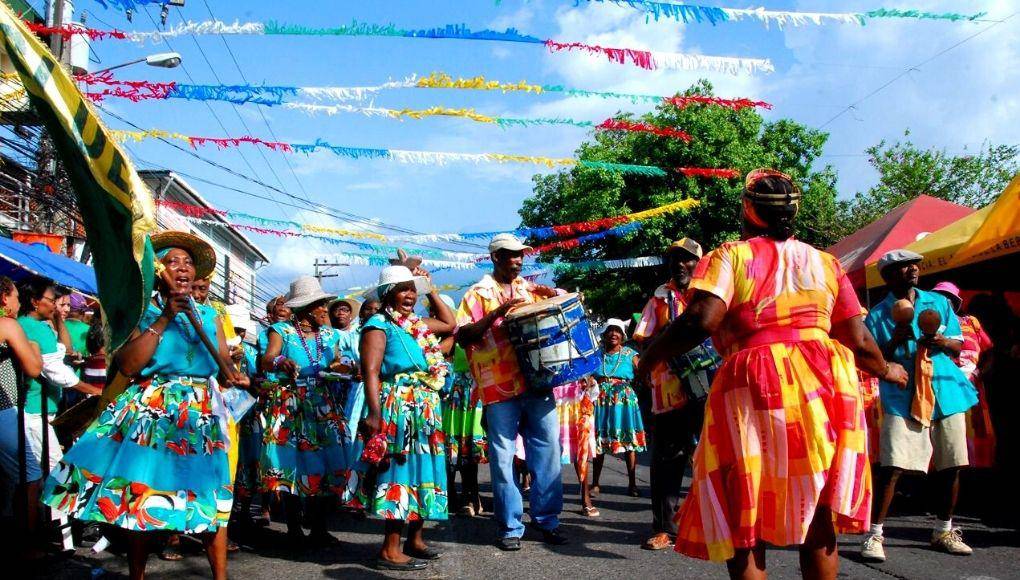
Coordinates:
x,y
550,162
441,112
340,232
438,80
137,136
657,211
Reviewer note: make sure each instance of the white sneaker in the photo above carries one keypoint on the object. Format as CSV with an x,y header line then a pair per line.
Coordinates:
x,y
872,548
951,542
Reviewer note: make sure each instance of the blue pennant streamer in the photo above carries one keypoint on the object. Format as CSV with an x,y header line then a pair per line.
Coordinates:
x,y
237,94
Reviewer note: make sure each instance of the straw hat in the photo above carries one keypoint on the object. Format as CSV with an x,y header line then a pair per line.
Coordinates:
x,y
351,303
392,275
202,254
304,291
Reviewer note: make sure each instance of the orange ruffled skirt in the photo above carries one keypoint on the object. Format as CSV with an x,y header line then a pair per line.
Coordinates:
x,y
784,434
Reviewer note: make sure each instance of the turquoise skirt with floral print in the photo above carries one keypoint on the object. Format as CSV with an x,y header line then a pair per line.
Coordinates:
x,y
411,483
155,459
302,445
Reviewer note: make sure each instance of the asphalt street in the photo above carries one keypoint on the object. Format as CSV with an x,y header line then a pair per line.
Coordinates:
x,y
603,547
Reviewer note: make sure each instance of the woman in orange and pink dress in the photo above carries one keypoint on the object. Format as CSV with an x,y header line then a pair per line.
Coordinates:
x,y
782,458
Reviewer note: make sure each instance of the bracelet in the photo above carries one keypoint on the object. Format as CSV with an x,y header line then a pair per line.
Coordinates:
x,y
277,361
885,373
157,333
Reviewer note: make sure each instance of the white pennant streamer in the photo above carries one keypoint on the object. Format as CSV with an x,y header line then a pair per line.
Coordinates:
x,y
205,27
782,18
731,65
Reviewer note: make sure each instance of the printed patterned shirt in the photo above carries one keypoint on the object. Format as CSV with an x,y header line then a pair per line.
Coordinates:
x,y
975,342
493,360
665,305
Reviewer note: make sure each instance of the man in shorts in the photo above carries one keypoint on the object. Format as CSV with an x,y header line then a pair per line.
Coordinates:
x,y
925,420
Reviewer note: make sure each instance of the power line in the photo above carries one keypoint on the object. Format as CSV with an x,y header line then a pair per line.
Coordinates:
x,y
258,107
907,71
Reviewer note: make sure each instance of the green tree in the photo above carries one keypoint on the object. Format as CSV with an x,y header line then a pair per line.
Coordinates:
x,y
721,138
906,171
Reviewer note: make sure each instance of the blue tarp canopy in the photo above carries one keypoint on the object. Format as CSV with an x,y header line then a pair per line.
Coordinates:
x,y
18,261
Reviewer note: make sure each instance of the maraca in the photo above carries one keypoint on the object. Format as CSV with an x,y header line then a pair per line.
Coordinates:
x,y
929,322
903,311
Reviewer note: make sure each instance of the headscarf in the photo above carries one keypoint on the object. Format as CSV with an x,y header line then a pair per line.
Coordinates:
x,y
772,211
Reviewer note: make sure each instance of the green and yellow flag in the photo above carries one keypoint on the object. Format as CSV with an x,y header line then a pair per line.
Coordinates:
x,y
116,207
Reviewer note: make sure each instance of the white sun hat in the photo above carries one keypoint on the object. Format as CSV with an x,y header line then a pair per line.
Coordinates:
x,y
392,275
304,291
616,323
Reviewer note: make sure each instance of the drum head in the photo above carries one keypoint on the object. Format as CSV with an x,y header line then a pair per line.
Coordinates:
x,y
549,305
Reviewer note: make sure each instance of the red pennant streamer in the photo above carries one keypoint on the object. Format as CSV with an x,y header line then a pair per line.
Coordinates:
x,y
133,90
68,30
641,58
708,172
624,125
735,104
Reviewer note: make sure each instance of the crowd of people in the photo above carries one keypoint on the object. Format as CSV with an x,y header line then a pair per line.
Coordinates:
x,y
766,378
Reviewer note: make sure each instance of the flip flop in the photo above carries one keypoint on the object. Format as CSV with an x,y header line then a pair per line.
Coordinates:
x,y
590,511
411,565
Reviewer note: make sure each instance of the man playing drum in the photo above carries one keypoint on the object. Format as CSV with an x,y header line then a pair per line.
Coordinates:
x,y
509,407
676,421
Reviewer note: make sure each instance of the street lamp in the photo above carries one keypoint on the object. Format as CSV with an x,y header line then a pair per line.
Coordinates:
x,y
162,60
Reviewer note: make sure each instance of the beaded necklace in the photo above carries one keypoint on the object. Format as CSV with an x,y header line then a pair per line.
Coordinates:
x,y
619,361
318,349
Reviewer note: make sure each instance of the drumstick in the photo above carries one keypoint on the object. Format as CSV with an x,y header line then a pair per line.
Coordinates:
x,y
193,318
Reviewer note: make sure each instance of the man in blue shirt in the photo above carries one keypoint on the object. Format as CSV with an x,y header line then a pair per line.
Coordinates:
x,y
909,441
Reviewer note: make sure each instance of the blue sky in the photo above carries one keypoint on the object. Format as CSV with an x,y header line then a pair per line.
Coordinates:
x,y
968,95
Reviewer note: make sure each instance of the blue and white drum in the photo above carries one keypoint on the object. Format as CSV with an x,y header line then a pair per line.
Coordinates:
x,y
555,344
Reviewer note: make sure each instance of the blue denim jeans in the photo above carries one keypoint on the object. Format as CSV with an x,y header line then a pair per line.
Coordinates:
x,y
535,419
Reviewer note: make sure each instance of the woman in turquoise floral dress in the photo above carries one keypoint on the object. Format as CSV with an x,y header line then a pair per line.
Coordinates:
x,y
302,446
404,370
156,458
618,425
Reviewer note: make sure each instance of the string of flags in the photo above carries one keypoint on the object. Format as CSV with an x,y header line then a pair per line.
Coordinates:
x,y
294,229
645,59
698,14
432,158
140,90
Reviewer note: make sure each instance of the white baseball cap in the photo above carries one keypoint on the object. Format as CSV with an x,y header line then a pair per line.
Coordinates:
x,y
507,242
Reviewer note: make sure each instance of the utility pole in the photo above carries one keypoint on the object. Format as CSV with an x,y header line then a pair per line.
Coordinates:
x,y
322,265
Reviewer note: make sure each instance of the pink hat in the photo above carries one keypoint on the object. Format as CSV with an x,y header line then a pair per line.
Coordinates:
x,y
951,291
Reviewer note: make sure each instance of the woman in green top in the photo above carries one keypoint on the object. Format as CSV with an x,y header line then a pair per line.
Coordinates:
x,y
39,317
16,353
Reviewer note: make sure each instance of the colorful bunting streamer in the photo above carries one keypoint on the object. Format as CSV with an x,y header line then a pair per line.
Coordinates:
x,y
400,156
272,95
68,30
559,231
618,231
692,14
358,259
126,5
642,58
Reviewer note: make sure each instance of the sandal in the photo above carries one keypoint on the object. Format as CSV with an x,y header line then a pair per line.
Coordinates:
x,y
466,510
594,491
657,542
590,511
171,554
233,546
633,492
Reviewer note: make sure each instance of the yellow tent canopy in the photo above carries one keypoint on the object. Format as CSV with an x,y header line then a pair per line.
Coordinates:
x,y
992,232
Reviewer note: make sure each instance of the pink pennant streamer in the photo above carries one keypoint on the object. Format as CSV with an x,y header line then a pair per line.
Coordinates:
x,y
624,125
223,143
641,58
190,210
